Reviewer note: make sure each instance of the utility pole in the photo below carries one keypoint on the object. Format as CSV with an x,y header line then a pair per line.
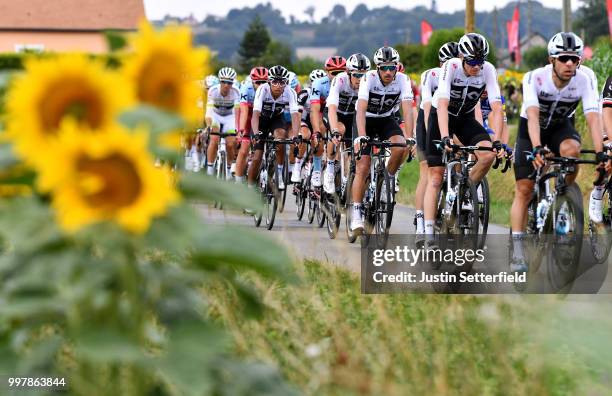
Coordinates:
x,y
566,15
495,27
469,16
529,19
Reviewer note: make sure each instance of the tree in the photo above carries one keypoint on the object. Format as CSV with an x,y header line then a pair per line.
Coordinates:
x,y
437,39
305,65
535,57
360,13
277,53
411,56
591,18
254,43
310,12
338,12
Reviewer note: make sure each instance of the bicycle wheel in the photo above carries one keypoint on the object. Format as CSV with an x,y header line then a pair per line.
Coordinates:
x,y
484,202
565,224
258,215
311,201
350,235
223,173
320,213
271,197
332,202
600,235
383,206
300,200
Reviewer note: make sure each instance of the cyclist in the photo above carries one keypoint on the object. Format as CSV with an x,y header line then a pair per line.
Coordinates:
x,y
429,85
461,83
485,110
550,95
306,126
341,108
271,99
319,92
257,76
607,106
222,115
379,92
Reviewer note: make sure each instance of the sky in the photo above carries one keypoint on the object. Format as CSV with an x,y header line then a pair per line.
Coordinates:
x,y
157,9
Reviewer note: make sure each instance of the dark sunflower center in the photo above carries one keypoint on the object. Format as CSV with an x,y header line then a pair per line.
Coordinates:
x,y
121,183
159,83
71,98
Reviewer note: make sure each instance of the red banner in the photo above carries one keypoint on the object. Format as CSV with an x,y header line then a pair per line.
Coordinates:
x,y
426,31
514,44
609,3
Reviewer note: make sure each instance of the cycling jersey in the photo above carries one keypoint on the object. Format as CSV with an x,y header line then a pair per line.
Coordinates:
x,y
429,85
342,95
462,91
556,105
294,82
270,107
247,94
303,99
607,93
320,91
383,100
222,105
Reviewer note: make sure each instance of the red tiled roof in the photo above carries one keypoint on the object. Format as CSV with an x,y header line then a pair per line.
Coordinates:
x,y
70,14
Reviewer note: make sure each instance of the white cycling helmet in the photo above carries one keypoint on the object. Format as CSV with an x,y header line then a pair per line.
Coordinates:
x,y
227,74
358,62
565,43
448,51
473,46
386,55
211,81
278,72
316,74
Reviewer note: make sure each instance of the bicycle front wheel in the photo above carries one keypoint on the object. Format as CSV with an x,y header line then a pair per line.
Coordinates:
x,y
384,206
271,198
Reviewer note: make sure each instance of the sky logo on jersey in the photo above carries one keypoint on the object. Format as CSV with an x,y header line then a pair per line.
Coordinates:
x,y
545,94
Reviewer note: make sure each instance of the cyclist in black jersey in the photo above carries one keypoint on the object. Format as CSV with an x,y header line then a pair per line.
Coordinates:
x,y
550,95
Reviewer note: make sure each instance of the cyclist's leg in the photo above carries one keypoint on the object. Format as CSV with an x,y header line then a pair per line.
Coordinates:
x,y
524,186
297,165
390,130
359,181
565,141
435,173
318,151
423,170
229,126
243,155
213,145
264,126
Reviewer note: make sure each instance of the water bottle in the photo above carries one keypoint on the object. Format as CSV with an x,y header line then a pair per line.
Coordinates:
x,y
562,226
450,199
541,212
263,178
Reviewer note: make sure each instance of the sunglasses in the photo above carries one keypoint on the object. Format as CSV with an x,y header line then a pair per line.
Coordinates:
x,y
357,75
388,68
259,82
475,62
278,82
565,58
335,72
227,82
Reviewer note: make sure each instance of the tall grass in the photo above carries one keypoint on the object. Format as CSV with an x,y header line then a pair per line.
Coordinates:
x,y
329,339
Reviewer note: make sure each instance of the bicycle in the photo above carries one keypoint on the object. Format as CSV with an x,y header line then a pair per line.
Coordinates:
x,y
555,219
333,204
600,234
378,209
220,169
301,188
267,181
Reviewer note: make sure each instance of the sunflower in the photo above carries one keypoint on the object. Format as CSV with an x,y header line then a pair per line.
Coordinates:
x,y
105,177
55,89
163,66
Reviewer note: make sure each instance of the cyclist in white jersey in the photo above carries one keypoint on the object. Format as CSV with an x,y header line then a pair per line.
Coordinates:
x,y
341,109
222,115
429,85
303,98
452,115
550,95
271,99
379,92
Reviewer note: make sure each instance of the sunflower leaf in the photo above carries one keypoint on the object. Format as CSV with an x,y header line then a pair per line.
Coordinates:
x,y
108,345
197,186
158,121
244,249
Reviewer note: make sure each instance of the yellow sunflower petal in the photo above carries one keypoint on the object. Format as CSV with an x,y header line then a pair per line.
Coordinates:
x,y
55,89
106,177
163,66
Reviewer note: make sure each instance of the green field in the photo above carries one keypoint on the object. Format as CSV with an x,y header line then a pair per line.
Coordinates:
x,y
328,339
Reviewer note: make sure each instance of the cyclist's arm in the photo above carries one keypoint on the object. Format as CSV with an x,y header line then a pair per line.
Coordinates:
x,y
237,113
496,118
244,116
532,104
360,109
443,116
607,107
478,114
294,109
408,118
590,106
208,120
332,116
332,103
315,116
426,111
607,120
255,121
